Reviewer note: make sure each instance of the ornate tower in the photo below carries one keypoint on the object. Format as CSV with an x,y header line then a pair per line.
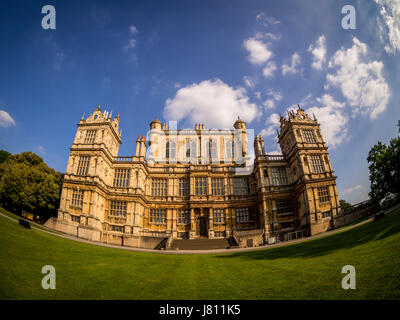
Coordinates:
x,y
309,171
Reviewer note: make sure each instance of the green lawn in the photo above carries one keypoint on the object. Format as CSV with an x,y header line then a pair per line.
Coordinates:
x,y
308,270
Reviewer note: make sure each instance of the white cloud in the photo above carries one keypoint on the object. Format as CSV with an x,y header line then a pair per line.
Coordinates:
x,y
131,44
318,50
269,104
389,24
266,20
361,82
177,85
250,81
258,51
133,30
269,69
332,119
6,120
275,94
352,189
272,124
211,102
257,94
292,67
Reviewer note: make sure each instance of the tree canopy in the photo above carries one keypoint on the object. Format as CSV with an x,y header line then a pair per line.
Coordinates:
x,y
27,183
345,205
384,169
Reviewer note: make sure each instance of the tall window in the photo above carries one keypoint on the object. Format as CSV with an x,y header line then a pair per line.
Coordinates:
x,y
167,146
200,184
159,187
217,186
283,206
323,194
188,149
83,165
77,198
279,177
121,178
212,145
90,136
183,216
118,208
243,215
309,136
184,187
158,216
241,186
117,228
218,216
228,150
317,165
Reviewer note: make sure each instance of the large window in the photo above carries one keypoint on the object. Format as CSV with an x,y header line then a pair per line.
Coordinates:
x,y
279,177
183,216
77,198
118,208
159,187
117,228
241,186
90,136
121,178
218,216
309,136
284,206
323,194
158,216
243,215
83,165
317,165
184,187
212,147
217,186
200,184
170,150
228,150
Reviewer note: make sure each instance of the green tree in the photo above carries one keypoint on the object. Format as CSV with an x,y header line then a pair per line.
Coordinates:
x,y
4,155
345,205
29,184
384,169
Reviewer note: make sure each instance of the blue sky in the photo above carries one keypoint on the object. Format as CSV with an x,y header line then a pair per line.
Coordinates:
x,y
202,61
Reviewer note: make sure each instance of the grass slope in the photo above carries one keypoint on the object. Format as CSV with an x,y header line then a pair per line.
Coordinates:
x,y
309,270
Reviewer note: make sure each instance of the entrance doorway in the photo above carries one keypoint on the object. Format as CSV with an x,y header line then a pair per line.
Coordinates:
x,y
202,226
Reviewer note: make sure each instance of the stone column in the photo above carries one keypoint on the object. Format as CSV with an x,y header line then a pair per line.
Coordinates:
x,y
192,233
210,223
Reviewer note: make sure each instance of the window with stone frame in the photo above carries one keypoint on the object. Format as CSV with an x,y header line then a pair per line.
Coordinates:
x,y
218,216
241,186
83,165
158,216
200,185
159,187
117,228
309,136
184,187
184,216
279,176
121,178
90,136
243,215
283,206
323,194
217,186
316,164
118,209
77,198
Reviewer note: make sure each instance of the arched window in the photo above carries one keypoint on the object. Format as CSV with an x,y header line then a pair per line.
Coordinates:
x,y
188,149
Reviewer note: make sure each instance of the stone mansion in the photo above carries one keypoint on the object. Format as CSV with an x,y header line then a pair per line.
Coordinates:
x,y
197,183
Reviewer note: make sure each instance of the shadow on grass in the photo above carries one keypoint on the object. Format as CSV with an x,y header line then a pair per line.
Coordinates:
x,y
366,233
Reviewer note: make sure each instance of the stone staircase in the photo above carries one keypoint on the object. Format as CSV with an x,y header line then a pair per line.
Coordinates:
x,y
201,244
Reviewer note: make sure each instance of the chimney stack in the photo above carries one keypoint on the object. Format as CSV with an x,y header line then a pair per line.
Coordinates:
x,y
137,146
143,146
